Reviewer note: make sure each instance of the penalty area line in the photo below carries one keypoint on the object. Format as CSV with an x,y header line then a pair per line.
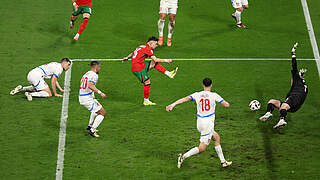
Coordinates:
x,y
63,125
209,59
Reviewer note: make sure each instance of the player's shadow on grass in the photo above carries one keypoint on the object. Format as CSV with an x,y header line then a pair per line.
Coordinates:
x,y
267,133
58,31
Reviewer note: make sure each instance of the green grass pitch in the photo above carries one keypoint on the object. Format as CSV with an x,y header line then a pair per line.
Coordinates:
x,y
140,142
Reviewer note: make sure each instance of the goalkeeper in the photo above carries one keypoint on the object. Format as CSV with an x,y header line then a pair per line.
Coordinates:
x,y
294,99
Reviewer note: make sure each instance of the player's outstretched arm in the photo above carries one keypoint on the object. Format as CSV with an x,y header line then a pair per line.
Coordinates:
x,y
225,104
294,60
54,86
155,59
180,101
95,89
127,58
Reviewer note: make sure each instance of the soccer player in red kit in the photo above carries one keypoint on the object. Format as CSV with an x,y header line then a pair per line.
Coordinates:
x,y
83,7
140,67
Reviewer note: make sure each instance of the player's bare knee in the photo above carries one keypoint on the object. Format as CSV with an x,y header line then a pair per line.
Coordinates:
x,y
216,138
239,9
171,18
245,6
102,112
202,147
86,15
285,106
147,82
163,16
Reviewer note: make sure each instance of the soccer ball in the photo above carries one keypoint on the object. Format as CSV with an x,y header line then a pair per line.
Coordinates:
x,y
254,105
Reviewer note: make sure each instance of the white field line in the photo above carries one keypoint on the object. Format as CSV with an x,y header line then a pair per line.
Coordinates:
x,y
311,34
208,59
63,125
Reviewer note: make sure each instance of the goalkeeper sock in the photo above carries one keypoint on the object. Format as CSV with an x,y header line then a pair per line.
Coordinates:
x,y
270,107
283,114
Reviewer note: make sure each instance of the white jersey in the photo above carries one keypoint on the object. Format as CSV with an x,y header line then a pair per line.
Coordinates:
x,y
85,93
49,70
169,3
206,103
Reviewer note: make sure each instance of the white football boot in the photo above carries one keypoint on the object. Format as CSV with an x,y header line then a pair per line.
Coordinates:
x,y
16,90
149,103
76,37
265,117
282,122
173,73
226,163
180,160
28,95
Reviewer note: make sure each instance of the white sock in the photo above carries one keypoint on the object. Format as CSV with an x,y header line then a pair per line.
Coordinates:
x,y
160,27
220,153
238,16
191,152
40,94
170,28
167,73
97,121
28,88
92,117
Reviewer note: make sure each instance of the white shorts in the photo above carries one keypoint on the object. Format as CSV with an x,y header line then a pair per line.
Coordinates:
x,y
239,3
206,127
36,79
168,8
91,104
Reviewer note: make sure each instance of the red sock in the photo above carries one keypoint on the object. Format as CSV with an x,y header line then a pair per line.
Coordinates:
x,y
71,18
160,68
146,91
83,25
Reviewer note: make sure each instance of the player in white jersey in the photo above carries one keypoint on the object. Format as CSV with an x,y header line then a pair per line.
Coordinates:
x,y
167,7
86,98
239,5
39,87
206,104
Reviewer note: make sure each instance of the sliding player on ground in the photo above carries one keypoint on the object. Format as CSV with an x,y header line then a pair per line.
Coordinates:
x,y
86,98
206,104
240,6
167,7
294,99
140,67
83,7
38,87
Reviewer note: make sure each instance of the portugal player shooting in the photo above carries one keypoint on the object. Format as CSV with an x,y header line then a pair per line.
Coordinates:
x,y
294,99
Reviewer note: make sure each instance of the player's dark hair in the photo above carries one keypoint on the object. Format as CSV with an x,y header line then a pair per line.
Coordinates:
x,y
153,39
65,60
94,63
207,82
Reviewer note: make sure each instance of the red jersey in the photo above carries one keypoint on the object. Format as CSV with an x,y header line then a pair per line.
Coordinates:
x,y
84,3
138,57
